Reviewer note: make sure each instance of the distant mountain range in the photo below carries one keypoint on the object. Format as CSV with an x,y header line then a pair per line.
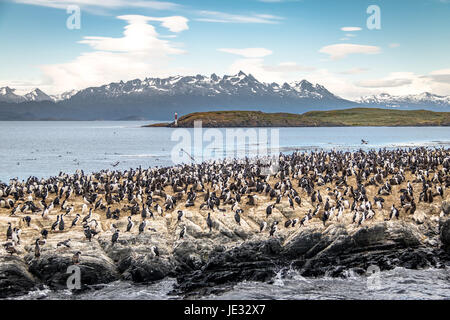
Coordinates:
x,y
425,100
158,99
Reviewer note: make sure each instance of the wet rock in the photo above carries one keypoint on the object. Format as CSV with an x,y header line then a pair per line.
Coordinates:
x,y
367,236
145,268
303,242
15,279
253,261
444,227
52,269
403,234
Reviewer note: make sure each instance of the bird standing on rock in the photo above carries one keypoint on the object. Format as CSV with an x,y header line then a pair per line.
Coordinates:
x,y
142,226
273,229
115,237
9,232
155,251
61,223
182,232
237,217
209,222
180,215
37,249
55,224
76,258
130,224
75,220
88,233
262,226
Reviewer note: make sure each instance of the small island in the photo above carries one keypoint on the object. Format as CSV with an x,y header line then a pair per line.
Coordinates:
x,y
369,117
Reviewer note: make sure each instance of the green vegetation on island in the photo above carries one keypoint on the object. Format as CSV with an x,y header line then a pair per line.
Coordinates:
x,y
334,118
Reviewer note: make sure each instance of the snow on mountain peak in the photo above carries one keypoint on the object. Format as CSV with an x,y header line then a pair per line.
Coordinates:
x,y
37,95
425,99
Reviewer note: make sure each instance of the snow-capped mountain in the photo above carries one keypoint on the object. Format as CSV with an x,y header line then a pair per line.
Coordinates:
x,y
160,98
37,95
234,85
424,99
7,95
63,96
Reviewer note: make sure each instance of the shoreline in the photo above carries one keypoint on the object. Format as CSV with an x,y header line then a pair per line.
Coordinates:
x,y
230,252
354,117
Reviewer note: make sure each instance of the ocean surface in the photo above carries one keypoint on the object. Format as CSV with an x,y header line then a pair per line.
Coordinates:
x,y
396,284
43,149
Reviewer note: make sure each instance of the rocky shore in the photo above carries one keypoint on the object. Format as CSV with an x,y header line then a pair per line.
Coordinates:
x,y
204,261
230,252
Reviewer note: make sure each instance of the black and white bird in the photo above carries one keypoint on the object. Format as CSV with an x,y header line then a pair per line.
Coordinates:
x,y
65,243
9,232
61,223
88,233
37,249
180,215
55,224
237,218
89,215
76,257
130,224
44,233
269,210
115,237
182,232
262,226
27,220
394,213
142,226
273,229
209,222
75,220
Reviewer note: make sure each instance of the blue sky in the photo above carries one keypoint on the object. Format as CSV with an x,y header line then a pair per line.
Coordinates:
x,y
280,41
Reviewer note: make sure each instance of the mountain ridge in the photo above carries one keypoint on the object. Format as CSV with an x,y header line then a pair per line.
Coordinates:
x,y
160,98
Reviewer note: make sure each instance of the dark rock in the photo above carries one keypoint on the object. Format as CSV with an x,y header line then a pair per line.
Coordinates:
x,y
303,242
253,261
444,226
145,268
368,236
52,268
15,279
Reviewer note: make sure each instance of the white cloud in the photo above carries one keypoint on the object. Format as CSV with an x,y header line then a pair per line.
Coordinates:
x,y
394,45
383,83
138,54
248,52
404,83
342,50
354,71
222,17
174,24
350,29
439,76
111,4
